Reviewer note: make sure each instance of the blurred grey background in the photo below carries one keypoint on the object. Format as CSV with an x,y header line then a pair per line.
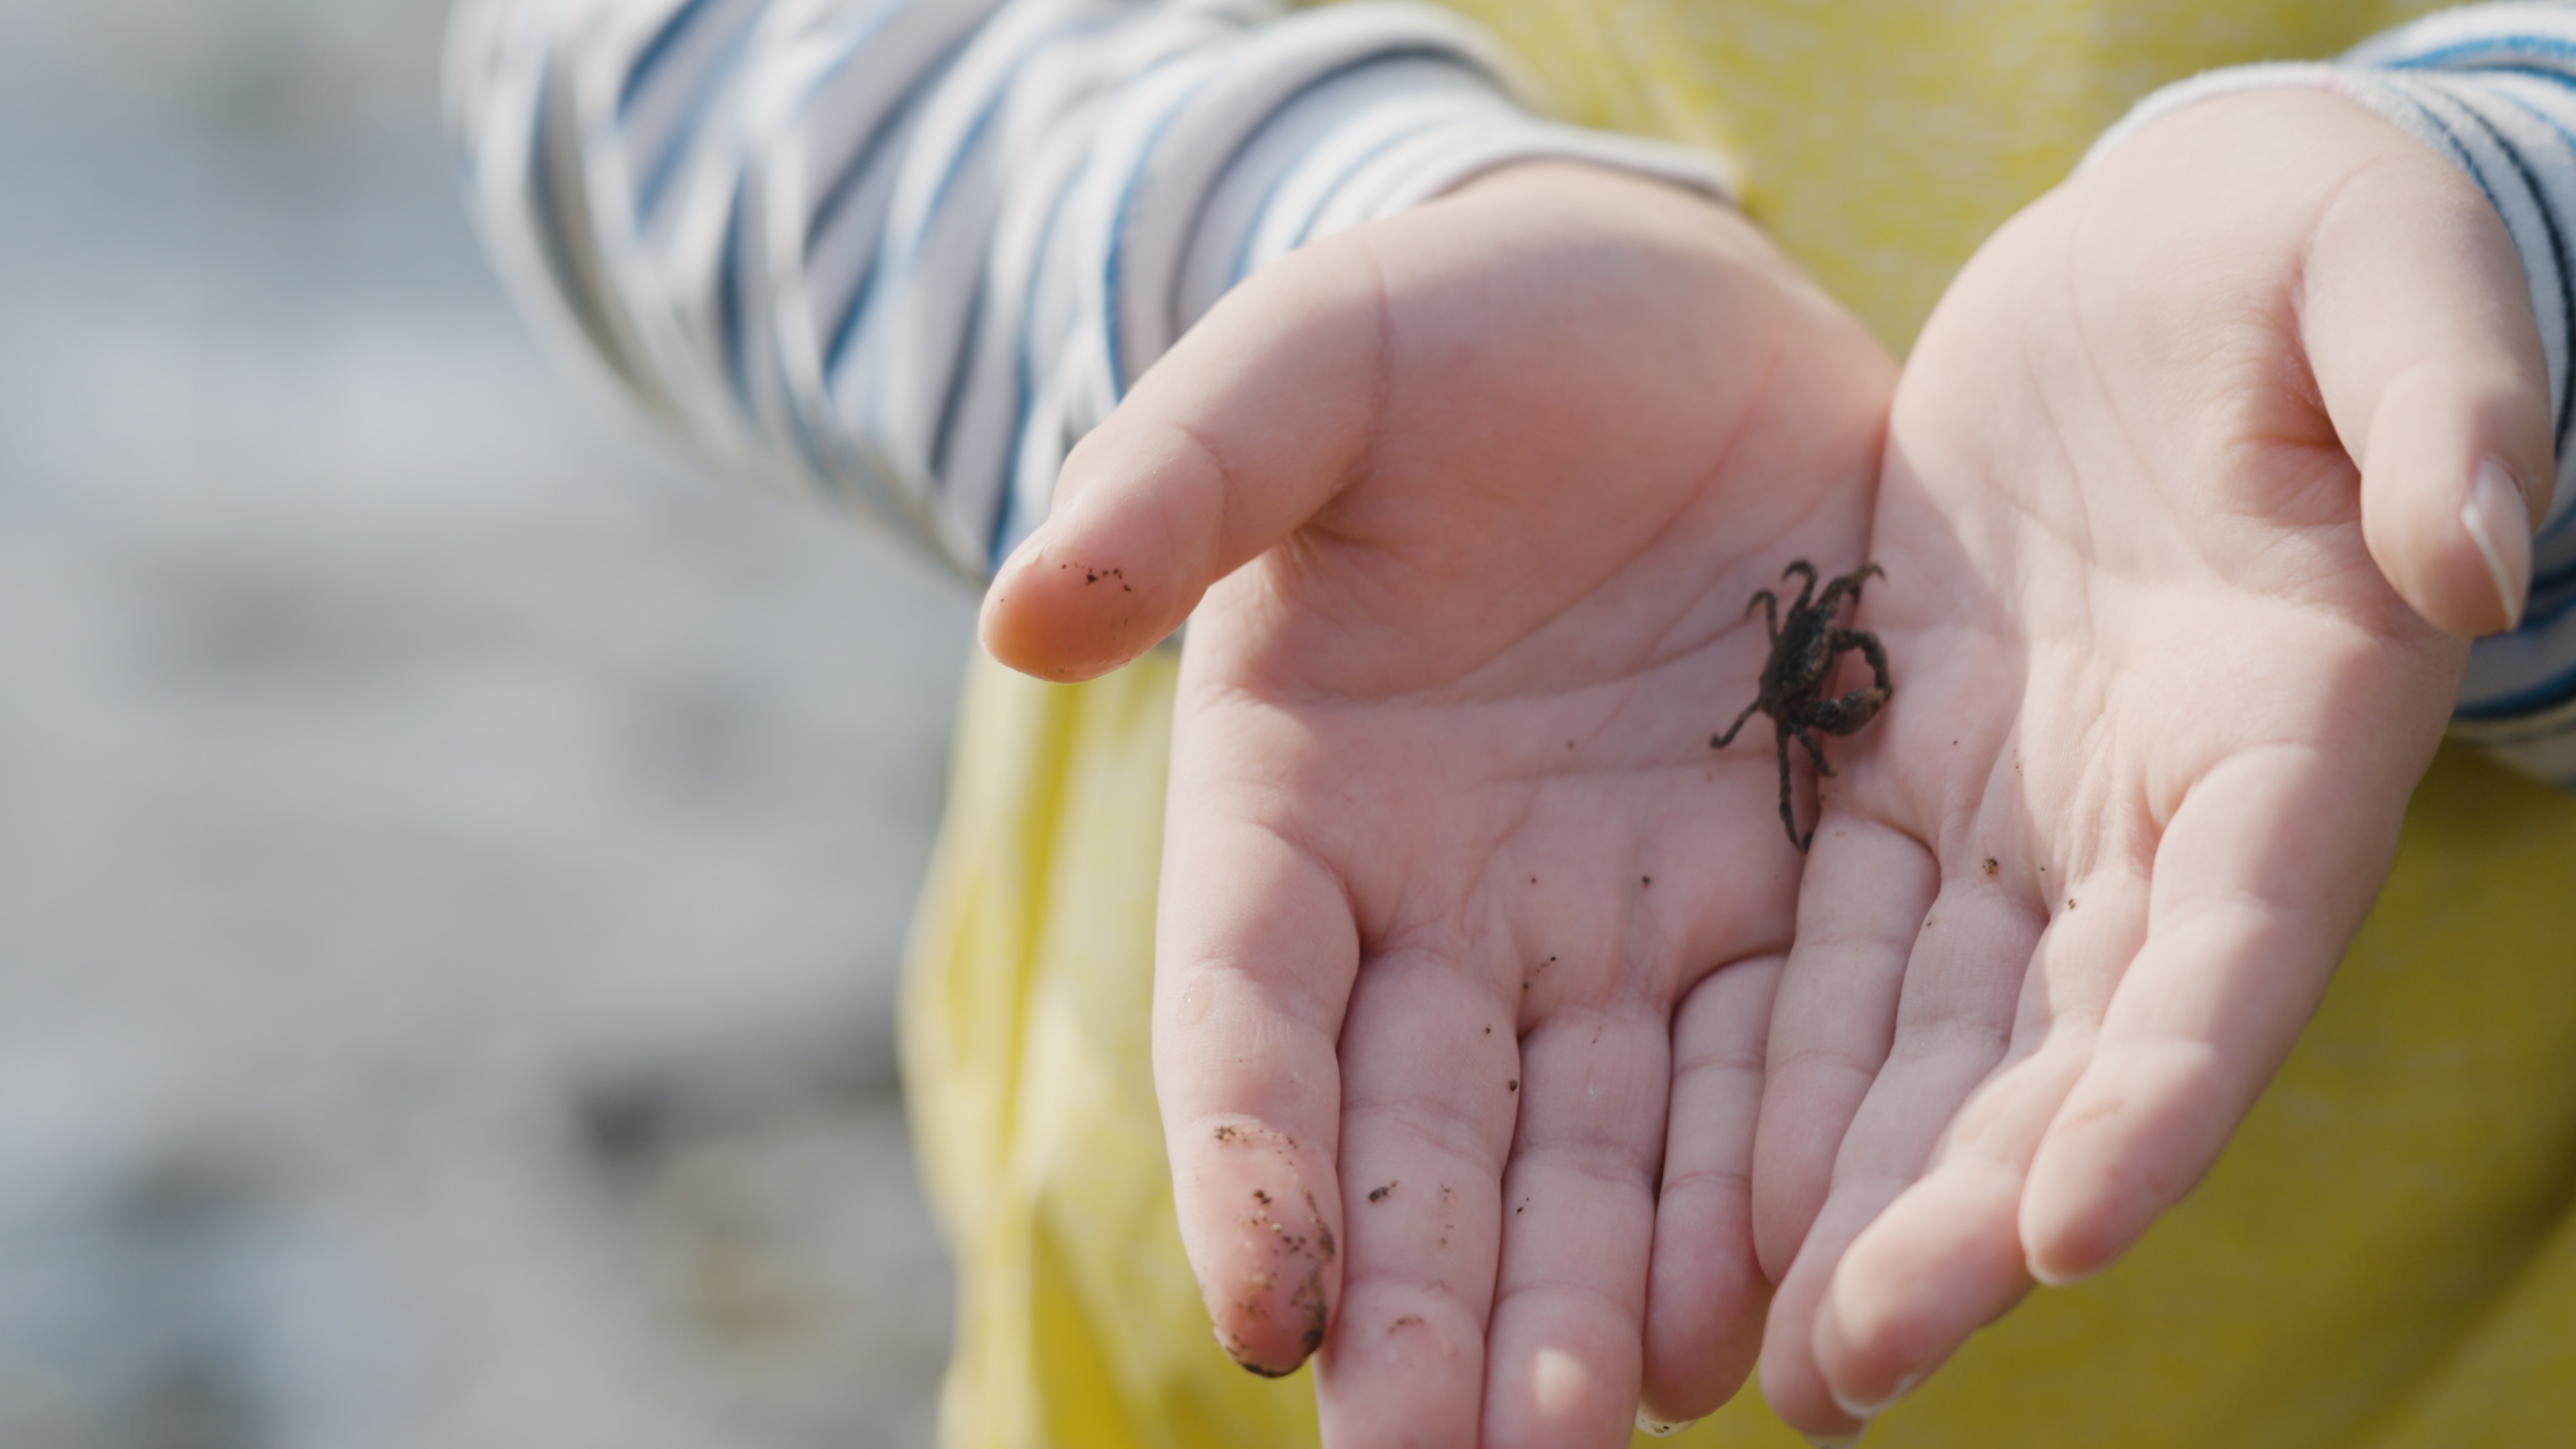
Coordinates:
x,y
453,853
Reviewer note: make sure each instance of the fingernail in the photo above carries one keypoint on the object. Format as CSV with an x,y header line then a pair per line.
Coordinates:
x,y
2498,519
1845,1442
1648,1424
2048,1278
1242,1355
1903,1387
1020,557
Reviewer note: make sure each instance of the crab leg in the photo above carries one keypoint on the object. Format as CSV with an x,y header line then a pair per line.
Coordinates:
x,y
1843,716
1807,590
1788,818
1849,586
1815,752
1720,742
1770,603
1868,645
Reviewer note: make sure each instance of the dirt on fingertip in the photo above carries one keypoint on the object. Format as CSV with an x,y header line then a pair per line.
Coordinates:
x,y
1300,1253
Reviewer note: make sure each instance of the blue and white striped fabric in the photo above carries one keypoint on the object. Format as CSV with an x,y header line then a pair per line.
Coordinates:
x,y
2492,87
902,253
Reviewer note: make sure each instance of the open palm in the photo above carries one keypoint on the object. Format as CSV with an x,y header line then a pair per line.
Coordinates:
x,y
2151,473
1456,896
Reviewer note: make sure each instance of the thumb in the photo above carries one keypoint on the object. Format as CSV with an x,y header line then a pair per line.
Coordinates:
x,y
2417,320
1260,414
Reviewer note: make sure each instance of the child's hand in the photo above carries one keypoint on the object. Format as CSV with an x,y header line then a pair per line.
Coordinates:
x,y
2183,465
1476,497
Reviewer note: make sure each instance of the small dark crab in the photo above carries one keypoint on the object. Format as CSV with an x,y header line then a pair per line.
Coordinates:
x,y
1803,651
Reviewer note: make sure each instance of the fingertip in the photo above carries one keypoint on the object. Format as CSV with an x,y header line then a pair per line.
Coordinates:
x,y
2048,1277
1065,619
2448,521
1129,551
1799,1398
2067,1240
1579,1391
2067,1235
1003,623
2076,1222
1267,1250
1686,1380
1793,1382
2071,1228
1940,1262
2498,521
2131,1140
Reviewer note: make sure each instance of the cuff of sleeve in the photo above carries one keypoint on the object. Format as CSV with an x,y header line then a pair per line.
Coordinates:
x,y
1382,160
1324,120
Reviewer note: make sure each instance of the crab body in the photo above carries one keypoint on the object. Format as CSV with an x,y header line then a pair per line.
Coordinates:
x,y
1804,648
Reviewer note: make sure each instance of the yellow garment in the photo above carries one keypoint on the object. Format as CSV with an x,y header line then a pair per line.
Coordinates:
x,y
2384,1259
1883,140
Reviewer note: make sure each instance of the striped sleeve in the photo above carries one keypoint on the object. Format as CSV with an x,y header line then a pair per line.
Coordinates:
x,y
2493,88
900,254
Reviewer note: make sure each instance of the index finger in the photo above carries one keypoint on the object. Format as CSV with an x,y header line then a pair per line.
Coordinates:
x,y
1255,953
2261,882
